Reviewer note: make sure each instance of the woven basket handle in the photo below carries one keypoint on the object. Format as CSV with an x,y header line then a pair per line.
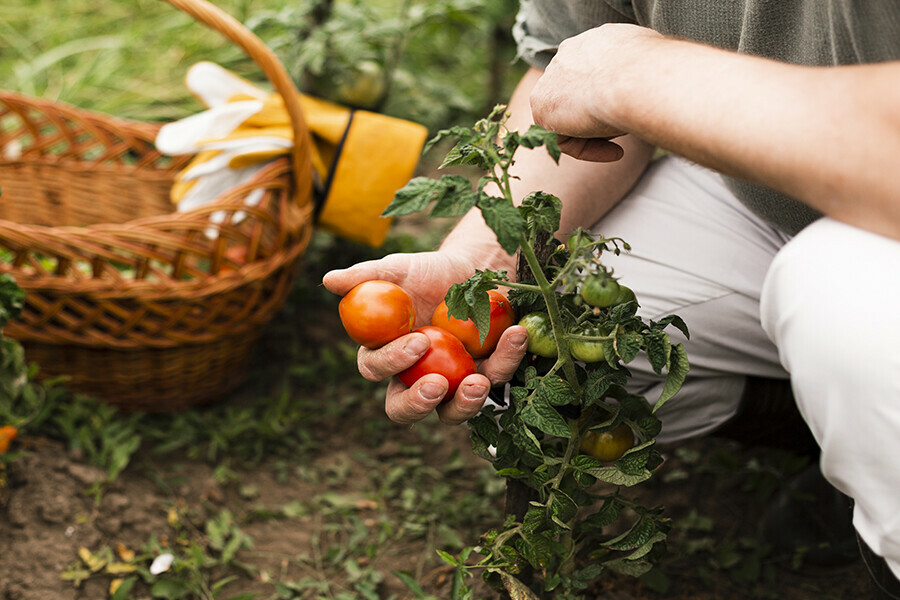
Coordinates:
x,y
262,55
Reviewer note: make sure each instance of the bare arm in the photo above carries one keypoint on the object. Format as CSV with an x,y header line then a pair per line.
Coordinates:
x,y
828,136
588,190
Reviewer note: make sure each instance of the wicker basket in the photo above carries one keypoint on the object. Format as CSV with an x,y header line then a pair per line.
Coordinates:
x,y
133,302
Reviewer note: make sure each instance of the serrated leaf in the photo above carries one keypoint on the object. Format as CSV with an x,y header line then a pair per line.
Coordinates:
x,y
485,427
541,212
658,347
453,195
599,380
525,441
627,345
634,461
675,321
466,154
606,515
645,548
635,537
413,197
534,518
543,416
538,136
563,507
504,220
675,376
555,391
631,568
613,475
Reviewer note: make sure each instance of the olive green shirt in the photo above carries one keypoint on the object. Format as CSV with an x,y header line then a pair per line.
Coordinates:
x,y
806,32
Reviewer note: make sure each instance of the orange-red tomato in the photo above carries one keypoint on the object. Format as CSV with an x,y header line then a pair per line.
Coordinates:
x,y
7,435
446,356
467,332
376,312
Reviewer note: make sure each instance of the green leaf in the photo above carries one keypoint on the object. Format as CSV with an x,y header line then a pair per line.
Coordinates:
x,y
486,427
447,558
678,370
658,348
606,515
563,507
608,473
544,417
674,320
469,300
466,154
636,536
600,377
124,590
535,518
541,212
504,220
634,462
631,568
453,195
538,136
555,391
628,344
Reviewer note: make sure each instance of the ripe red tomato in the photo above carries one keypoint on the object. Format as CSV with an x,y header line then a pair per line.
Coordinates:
x,y
376,312
609,445
446,356
467,332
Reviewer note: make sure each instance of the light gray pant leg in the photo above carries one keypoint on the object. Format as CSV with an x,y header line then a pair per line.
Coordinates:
x,y
698,253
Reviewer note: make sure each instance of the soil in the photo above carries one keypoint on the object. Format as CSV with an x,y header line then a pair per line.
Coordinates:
x,y
713,490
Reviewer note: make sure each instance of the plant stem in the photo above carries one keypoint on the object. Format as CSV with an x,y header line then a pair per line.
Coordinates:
x,y
549,294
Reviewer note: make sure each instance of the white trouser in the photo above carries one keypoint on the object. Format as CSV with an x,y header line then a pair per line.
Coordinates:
x,y
829,307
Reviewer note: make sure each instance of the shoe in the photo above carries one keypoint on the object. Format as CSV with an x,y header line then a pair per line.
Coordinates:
x,y
884,584
810,521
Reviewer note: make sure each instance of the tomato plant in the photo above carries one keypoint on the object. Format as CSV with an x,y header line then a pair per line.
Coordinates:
x,y
583,329
501,317
376,312
540,334
608,445
446,356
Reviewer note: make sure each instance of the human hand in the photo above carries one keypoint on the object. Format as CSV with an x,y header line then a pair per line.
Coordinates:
x,y
426,276
575,97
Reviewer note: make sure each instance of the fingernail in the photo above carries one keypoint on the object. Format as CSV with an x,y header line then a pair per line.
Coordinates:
x,y
431,391
416,346
517,340
475,392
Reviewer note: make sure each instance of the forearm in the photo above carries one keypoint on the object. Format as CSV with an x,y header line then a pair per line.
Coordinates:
x,y
828,136
587,190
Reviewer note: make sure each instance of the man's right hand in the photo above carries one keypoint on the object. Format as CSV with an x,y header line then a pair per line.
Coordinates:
x,y
426,276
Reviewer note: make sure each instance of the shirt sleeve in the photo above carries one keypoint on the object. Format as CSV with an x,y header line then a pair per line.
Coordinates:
x,y
541,25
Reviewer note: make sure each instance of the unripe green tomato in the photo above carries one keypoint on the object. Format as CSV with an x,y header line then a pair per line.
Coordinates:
x,y
600,290
609,445
626,294
540,334
586,350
